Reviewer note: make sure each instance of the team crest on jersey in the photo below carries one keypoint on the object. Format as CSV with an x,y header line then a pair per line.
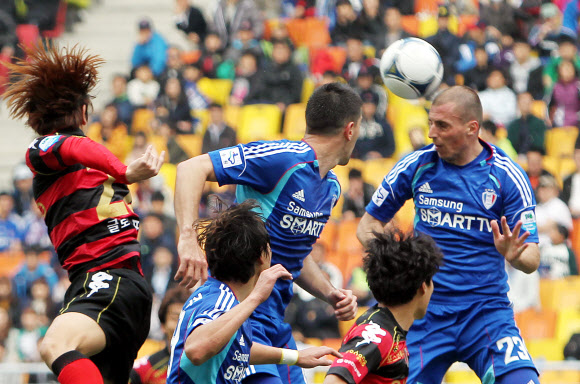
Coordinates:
x,y
48,142
489,198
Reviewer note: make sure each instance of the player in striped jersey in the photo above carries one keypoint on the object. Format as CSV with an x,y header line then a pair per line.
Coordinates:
x,y
464,190
80,187
296,189
213,341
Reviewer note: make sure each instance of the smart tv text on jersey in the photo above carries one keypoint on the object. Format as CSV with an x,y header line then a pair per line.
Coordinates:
x,y
435,218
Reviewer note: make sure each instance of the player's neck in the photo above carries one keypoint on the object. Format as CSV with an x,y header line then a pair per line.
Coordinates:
x,y
325,148
404,314
242,290
470,154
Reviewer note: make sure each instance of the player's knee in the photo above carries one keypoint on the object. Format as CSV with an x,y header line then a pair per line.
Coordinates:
x,y
49,350
519,376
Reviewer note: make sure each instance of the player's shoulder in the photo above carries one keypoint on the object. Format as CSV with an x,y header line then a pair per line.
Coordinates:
x,y
277,149
504,165
211,294
44,143
414,160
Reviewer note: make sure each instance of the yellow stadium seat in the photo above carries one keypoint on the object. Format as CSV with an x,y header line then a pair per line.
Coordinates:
x,y
259,122
374,171
344,326
308,87
295,122
427,25
232,116
545,349
142,119
534,324
328,236
168,172
203,116
539,109
567,293
348,243
218,90
461,376
560,141
159,143
315,342
560,377
404,219
408,115
552,165
568,324
190,143
150,347
567,167
9,262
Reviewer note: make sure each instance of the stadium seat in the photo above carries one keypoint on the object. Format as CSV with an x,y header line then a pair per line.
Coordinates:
x,y
566,293
295,122
534,324
408,115
332,343
190,144
539,109
426,6
259,122
218,90
202,115
560,141
575,238
404,219
150,347
169,171
296,30
568,324
567,167
560,377
141,122
374,171
308,87
465,21
410,23
545,349
552,165
344,326
427,25
9,262
461,376
339,57
316,33
232,116
159,143
270,25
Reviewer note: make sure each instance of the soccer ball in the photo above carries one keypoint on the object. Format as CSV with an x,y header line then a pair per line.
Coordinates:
x,y
411,68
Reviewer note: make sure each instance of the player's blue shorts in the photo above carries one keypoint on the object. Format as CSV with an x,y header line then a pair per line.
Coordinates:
x,y
481,333
274,332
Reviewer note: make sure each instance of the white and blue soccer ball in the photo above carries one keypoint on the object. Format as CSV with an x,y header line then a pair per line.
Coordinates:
x,y
411,68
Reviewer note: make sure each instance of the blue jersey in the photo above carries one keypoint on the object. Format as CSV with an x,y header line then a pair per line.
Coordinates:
x,y
283,176
455,205
207,303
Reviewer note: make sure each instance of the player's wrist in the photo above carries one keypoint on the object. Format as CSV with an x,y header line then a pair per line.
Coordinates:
x,y
289,356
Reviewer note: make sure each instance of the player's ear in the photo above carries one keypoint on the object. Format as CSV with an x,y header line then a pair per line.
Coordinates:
x,y
349,131
473,127
85,115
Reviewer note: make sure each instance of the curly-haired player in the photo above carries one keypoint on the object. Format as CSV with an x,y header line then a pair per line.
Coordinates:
x,y
399,271
81,189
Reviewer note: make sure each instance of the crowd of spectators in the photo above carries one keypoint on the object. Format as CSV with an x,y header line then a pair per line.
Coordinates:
x,y
514,53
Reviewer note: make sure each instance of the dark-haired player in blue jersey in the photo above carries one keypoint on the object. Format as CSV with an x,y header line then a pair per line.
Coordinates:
x,y
296,189
213,342
462,188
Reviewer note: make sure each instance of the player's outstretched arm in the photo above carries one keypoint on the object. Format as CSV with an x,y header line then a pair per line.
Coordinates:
x,y
306,358
190,180
521,255
146,166
367,225
334,379
209,339
316,283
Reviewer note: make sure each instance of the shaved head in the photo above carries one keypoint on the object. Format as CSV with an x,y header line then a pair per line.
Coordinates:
x,y
466,101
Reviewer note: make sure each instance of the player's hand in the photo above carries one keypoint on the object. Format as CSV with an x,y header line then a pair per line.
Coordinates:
x,y
314,357
510,244
146,166
344,303
266,282
192,261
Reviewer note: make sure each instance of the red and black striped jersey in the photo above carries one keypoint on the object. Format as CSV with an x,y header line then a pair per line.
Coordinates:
x,y
81,189
151,369
374,350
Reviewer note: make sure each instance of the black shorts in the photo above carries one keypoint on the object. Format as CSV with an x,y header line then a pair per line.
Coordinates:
x,y
119,300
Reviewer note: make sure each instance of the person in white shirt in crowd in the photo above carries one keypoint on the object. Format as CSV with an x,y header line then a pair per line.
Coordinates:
x,y
571,190
498,101
550,209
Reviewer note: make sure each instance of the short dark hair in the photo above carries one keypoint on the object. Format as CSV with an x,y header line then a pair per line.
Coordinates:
x,y
465,99
174,295
490,126
157,196
397,264
234,241
562,230
331,107
354,174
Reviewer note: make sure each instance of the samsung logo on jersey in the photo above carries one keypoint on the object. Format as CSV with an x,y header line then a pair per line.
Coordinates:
x,y
292,207
458,207
238,356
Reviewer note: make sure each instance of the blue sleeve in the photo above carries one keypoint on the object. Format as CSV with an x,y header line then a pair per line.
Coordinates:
x,y
396,188
257,165
519,202
159,50
570,20
138,57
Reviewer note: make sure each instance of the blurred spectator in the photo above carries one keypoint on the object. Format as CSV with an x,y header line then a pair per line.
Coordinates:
x,y
154,235
121,100
476,36
195,99
535,169
407,7
500,15
571,189
167,130
357,283
567,50
5,326
41,13
557,260
164,208
246,82
544,36
463,7
231,14
527,131
550,210
564,104
173,68
150,50
7,29
281,79
8,299
111,132
355,60
40,301
376,138
346,26
417,137
522,66
145,190
190,20
173,105
10,225
498,101
218,134
370,22
476,77
488,132
357,196
299,8
139,147
447,44
143,89
22,194
160,273
365,82
212,55
393,30
244,41
524,289
32,269
505,57
60,289
28,337
35,229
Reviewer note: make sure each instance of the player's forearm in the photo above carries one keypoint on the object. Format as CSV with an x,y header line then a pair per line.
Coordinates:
x,y
367,225
314,281
207,340
264,354
189,183
529,260
333,379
